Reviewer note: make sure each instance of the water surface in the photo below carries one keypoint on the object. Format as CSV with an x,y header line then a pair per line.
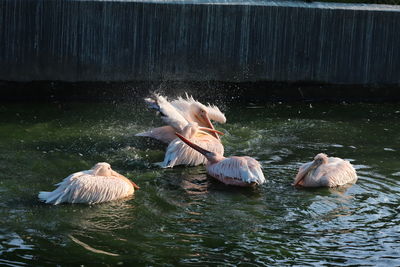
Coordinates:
x,y
182,217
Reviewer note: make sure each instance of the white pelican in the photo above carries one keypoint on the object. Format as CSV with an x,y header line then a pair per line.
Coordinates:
x,y
180,154
325,171
239,171
182,122
100,184
181,111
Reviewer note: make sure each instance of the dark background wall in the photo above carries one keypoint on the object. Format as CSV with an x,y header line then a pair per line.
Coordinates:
x,y
65,40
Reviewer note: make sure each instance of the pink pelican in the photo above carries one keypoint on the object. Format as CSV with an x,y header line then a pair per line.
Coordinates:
x,y
178,113
239,171
180,154
100,184
325,171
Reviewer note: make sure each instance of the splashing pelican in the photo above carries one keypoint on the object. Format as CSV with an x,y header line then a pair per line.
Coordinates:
x,y
178,113
239,171
178,153
100,184
325,171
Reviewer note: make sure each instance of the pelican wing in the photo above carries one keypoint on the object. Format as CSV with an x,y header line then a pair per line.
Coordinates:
x,y
301,173
336,172
86,188
52,197
245,169
183,106
165,134
73,176
169,114
178,153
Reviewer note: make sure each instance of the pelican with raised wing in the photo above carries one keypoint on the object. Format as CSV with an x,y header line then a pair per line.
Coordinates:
x,y
178,153
325,171
100,184
186,117
239,171
178,113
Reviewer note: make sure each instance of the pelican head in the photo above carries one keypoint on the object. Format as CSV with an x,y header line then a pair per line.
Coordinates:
x,y
102,169
190,130
201,113
213,112
319,159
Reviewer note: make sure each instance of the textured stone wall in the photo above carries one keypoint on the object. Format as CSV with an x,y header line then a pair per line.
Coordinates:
x,y
72,40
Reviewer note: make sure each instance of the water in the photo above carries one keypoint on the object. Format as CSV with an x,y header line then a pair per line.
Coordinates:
x,y
181,216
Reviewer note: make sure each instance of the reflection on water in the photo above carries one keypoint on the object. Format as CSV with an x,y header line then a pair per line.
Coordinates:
x,y
181,216
87,247
195,184
106,217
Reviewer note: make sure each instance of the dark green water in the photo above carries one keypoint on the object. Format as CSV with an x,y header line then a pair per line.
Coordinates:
x,y
182,217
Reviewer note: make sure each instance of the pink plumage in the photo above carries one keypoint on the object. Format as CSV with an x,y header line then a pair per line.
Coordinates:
x,y
179,113
239,171
178,153
325,171
100,184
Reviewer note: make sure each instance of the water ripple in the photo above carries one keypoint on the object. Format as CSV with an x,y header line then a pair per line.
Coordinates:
x,y
182,216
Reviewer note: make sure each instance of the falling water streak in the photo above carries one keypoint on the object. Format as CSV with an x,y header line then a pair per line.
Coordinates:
x,y
199,40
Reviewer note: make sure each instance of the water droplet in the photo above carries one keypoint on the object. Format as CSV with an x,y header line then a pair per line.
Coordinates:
x,y
388,149
336,145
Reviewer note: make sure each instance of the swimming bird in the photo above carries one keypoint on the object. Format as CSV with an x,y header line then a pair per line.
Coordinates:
x,y
325,171
178,153
100,184
178,113
239,171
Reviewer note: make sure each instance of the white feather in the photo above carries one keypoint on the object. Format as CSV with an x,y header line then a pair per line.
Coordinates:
x,y
184,107
169,113
178,153
178,114
245,169
335,172
164,134
84,187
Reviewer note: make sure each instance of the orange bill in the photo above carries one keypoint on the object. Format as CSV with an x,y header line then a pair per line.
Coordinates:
x,y
211,130
126,179
206,120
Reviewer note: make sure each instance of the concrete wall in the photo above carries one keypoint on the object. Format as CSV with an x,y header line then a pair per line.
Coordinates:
x,y
71,40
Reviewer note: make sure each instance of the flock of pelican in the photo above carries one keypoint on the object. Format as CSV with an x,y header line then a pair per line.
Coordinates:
x,y
192,140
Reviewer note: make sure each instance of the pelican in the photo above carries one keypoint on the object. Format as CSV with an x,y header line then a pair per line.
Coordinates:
x,y
100,184
178,113
180,154
182,119
325,171
239,171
